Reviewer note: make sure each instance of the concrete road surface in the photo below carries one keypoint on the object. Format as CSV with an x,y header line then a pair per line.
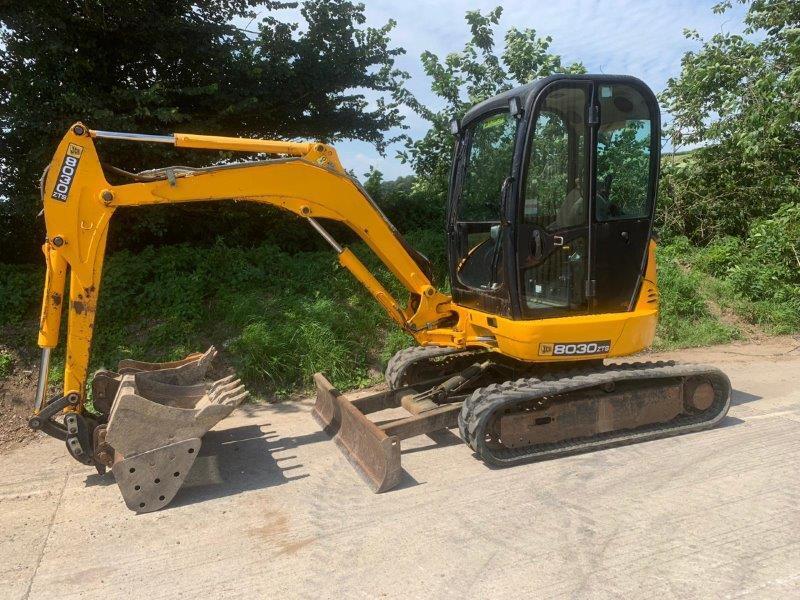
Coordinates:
x,y
273,510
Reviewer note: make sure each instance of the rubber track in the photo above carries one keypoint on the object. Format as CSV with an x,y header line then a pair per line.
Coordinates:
x,y
479,409
402,360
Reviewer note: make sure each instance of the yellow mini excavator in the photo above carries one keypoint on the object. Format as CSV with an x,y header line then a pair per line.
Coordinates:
x,y
552,271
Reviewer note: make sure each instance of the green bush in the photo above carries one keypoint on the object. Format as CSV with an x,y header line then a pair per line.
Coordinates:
x,y
277,317
767,272
757,277
770,261
20,288
719,257
406,206
685,319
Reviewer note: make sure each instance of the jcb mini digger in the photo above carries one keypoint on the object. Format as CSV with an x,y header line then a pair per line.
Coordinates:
x,y
552,271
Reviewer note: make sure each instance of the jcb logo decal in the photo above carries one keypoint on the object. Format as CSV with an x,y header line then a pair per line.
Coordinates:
x,y
569,349
66,174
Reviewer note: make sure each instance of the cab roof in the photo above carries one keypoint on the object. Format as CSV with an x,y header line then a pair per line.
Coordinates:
x,y
527,93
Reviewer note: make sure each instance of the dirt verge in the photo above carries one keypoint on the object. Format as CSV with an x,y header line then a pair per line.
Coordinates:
x,y
17,392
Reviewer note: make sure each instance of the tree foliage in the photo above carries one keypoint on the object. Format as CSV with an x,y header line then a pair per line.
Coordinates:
x,y
406,207
623,169
472,75
738,97
228,67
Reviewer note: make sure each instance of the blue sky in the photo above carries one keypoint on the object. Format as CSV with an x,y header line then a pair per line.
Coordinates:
x,y
633,37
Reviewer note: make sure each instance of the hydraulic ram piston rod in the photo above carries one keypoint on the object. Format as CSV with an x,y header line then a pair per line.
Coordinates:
x,y
213,142
41,386
351,262
133,137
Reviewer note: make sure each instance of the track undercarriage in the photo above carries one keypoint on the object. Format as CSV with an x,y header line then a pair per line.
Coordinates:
x,y
511,413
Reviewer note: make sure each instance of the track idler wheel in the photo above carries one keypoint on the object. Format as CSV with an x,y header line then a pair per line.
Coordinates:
x,y
698,395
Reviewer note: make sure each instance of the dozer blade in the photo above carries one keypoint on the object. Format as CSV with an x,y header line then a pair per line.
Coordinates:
x,y
374,449
157,418
374,454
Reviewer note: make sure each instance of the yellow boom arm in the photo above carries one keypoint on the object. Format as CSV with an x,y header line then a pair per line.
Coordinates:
x,y
308,181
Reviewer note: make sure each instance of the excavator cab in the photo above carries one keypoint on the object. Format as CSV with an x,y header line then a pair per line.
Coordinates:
x,y
552,198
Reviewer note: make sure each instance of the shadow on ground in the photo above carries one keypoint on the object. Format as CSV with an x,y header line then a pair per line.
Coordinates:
x,y
440,439
739,397
236,460
244,458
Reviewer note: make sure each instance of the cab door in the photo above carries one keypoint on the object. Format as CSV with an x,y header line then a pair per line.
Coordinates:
x,y
553,217
476,236
585,203
627,157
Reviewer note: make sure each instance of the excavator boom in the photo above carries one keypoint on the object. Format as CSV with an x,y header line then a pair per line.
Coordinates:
x,y
308,181
153,415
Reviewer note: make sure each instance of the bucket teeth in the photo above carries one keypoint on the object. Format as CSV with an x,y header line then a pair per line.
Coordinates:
x,y
158,413
228,394
223,381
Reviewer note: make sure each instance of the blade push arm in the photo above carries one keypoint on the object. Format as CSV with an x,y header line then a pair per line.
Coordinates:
x,y
310,182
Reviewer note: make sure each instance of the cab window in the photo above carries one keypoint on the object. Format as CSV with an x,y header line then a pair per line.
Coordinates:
x,y
488,164
556,185
623,154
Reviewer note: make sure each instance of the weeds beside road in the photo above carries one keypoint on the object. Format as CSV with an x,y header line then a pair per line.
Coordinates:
x,y
279,317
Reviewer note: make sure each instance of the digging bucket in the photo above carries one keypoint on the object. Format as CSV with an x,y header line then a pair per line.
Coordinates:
x,y
158,416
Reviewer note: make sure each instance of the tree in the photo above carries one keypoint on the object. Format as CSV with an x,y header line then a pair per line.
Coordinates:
x,y
407,208
465,78
186,65
738,98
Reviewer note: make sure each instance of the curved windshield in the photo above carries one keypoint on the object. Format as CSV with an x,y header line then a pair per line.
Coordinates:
x,y
554,235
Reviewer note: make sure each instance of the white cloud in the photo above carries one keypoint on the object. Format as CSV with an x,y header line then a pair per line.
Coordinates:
x,y
360,157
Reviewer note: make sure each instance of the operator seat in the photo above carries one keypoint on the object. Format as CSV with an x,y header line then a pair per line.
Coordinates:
x,y
573,211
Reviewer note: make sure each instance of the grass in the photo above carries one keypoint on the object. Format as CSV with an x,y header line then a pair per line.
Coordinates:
x,y
685,319
278,317
757,279
6,364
